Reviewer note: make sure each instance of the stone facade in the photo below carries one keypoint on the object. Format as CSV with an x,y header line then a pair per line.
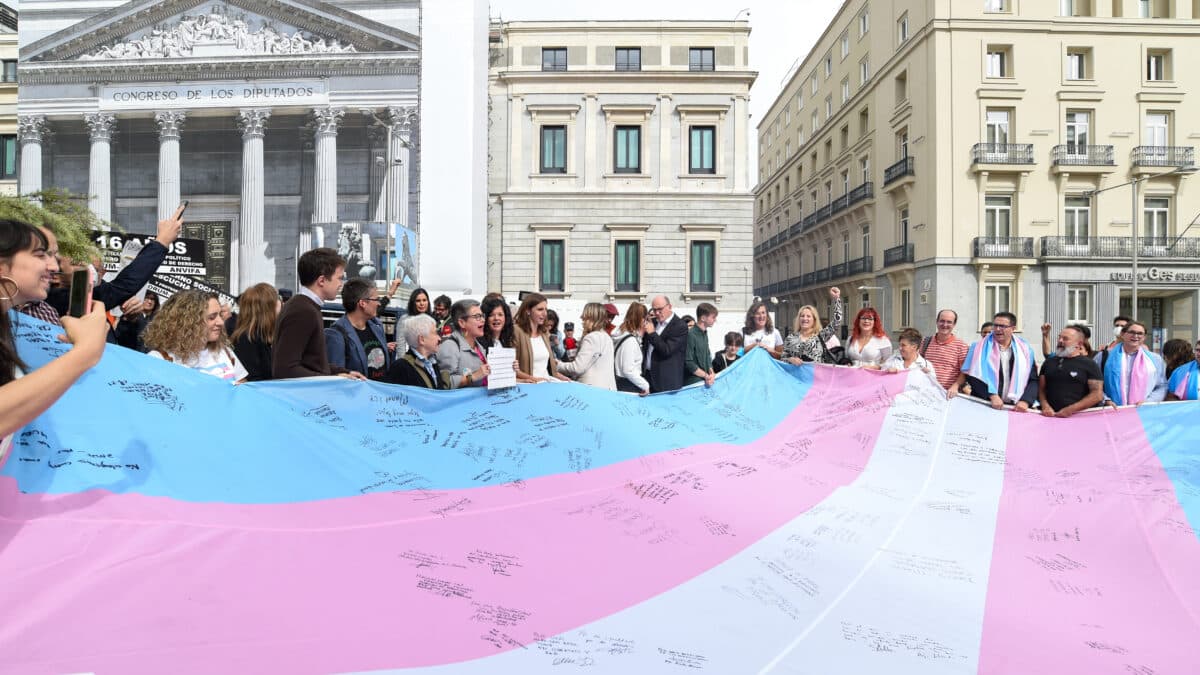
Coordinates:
x,y
926,155
590,195
277,120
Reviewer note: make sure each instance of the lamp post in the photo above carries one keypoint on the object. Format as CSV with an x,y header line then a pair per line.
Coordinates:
x,y
1133,222
390,164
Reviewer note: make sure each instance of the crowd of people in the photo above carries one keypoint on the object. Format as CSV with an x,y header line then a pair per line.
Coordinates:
x,y
445,344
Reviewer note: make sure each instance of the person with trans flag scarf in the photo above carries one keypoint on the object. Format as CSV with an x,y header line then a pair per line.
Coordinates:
x,y
1000,368
1133,375
1185,381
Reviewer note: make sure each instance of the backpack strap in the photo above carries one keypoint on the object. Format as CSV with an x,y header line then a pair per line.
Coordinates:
x,y
925,345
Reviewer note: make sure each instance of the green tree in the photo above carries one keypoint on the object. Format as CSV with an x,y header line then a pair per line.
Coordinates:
x,y
64,214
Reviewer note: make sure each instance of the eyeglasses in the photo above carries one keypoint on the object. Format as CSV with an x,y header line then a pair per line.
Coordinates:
x,y
475,317
998,327
866,318
1135,333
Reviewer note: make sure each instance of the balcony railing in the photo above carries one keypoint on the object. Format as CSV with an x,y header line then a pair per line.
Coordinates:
x,y
1120,247
824,212
1082,155
905,167
1002,153
898,254
837,271
860,193
822,275
840,204
859,266
809,278
1164,155
1003,247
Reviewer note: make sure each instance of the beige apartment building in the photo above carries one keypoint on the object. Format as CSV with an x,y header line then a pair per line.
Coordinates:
x,y
944,153
619,162
9,50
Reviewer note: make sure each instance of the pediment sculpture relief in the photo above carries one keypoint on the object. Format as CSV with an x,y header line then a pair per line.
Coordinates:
x,y
217,33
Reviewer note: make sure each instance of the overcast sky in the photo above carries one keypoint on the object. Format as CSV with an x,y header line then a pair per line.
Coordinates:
x,y
781,32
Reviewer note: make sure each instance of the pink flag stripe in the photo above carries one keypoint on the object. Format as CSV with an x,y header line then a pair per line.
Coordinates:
x,y
1078,521
130,583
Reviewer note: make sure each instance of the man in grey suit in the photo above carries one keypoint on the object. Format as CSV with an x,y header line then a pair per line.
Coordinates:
x,y
664,344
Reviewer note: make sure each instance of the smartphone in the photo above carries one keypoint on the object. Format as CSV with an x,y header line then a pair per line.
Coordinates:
x,y
182,207
82,282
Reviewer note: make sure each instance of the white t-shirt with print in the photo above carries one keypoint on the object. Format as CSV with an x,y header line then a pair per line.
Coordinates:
x,y
221,363
762,337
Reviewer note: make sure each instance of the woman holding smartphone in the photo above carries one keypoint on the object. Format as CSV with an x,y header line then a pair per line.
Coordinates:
x,y
25,270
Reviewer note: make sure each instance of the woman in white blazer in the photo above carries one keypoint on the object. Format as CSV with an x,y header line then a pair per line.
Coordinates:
x,y
594,363
868,346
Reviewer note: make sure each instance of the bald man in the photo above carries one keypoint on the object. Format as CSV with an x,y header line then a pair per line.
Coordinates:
x,y
664,343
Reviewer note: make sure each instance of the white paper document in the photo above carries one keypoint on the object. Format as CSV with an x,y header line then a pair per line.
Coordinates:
x,y
502,361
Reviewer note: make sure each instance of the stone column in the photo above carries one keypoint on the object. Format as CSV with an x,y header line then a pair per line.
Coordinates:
x,y
305,220
252,242
100,129
377,173
592,166
169,124
325,195
30,130
667,167
402,120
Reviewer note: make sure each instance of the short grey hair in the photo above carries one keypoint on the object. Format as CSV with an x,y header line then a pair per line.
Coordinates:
x,y
416,326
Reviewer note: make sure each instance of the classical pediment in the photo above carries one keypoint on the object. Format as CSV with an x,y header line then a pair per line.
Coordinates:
x,y
185,29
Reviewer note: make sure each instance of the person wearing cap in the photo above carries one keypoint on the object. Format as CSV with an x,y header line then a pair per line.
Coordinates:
x,y
612,312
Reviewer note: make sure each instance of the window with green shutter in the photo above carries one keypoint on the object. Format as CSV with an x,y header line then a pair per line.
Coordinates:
x,y
551,265
628,266
703,263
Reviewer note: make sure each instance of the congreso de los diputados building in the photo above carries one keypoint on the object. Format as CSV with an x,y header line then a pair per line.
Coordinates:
x,y
281,122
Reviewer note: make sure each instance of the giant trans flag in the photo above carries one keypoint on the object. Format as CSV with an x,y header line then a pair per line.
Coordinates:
x,y
787,520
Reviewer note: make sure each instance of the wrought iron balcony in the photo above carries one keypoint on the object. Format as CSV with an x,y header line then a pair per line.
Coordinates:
x,y
824,212
897,255
1082,155
860,193
837,271
822,275
840,204
808,279
1164,155
1002,153
1120,247
1003,247
810,220
860,265
905,167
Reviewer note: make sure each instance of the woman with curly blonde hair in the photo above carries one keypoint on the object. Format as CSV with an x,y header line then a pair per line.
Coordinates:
x,y
188,330
258,309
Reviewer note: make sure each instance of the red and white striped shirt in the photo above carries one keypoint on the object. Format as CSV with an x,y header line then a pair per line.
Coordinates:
x,y
946,358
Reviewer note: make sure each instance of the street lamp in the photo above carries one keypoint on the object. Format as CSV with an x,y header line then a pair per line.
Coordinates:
x,y
390,164
1133,221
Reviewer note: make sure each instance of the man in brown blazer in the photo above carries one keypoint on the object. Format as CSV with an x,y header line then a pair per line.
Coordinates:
x,y
299,346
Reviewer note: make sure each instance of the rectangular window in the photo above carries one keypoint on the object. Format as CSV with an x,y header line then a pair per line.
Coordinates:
x,y
902,29
1066,7
1158,126
1144,9
702,149
904,226
829,253
704,259
816,121
8,156
828,66
864,71
997,124
1156,66
902,144
627,149
1079,305
700,58
845,45
866,240
10,71
997,62
905,306
627,274
1077,65
800,100
814,85
995,5
554,149
845,91
845,247
996,298
1077,221
551,265
901,88
629,58
864,23
1156,220
845,182
554,58
997,217
1078,131
828,107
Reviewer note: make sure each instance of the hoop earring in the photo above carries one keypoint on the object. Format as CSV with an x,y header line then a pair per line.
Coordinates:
x,y
7,295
